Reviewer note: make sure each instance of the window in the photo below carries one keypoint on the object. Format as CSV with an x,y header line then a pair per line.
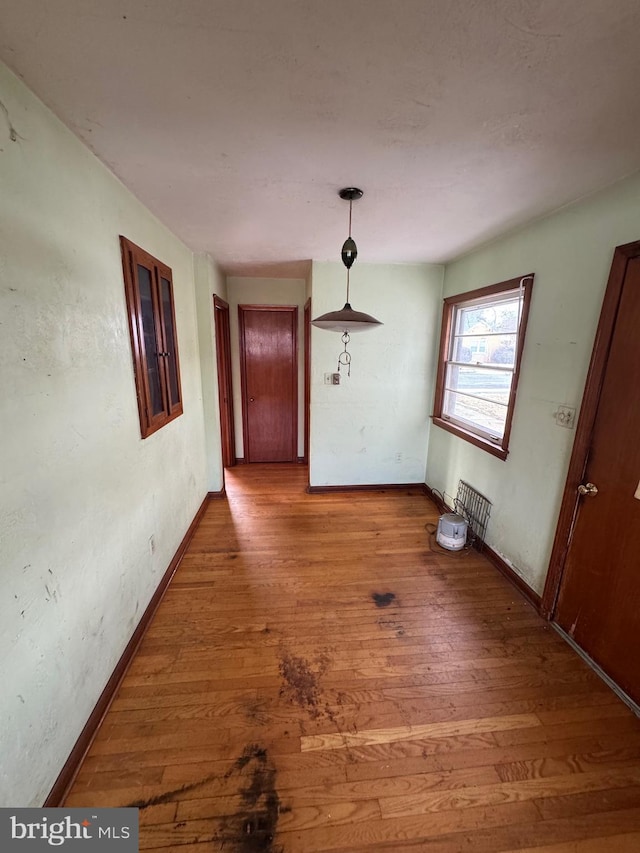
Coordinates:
x,y
480,351
152,323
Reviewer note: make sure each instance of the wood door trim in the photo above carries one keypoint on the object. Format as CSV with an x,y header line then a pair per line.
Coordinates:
x,y
292,309
586,422
223,358
307,378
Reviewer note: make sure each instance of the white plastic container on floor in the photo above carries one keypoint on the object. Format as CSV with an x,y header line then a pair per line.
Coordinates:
x,y
452,531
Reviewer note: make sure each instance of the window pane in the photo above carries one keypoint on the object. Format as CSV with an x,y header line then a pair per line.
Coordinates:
x,y
472,349
502,350
150,344
167,316
489,417
495,317
485,349
492,385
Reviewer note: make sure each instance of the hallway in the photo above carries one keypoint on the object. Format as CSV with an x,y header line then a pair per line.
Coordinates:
x,y
320,676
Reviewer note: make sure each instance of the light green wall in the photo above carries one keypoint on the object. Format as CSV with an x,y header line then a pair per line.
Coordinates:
x,y
243,290
374,426
209,282
570,253
81,494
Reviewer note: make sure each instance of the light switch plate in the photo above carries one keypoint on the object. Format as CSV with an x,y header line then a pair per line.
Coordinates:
x,y
332,379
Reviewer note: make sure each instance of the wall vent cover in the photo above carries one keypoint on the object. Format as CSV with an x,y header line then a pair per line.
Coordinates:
x,y
475,509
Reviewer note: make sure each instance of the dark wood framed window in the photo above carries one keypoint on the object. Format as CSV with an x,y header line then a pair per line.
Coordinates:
x,y
481,348
152,323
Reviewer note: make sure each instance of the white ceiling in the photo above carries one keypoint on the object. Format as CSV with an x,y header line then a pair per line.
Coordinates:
x,y
236,121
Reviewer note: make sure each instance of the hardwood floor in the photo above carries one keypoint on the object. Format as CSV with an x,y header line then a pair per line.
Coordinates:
x,y
321,677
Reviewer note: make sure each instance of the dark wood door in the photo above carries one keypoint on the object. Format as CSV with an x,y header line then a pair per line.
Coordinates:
x,y
269,369
599,599
225,389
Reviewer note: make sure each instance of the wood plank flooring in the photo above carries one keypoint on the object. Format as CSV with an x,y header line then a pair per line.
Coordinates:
x,y
322,677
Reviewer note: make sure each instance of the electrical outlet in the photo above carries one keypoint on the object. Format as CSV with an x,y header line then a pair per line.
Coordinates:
x,y
335,378
398,457
328,379
566,416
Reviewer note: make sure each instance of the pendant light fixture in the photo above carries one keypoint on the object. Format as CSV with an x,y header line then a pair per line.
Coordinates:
x,y
347,320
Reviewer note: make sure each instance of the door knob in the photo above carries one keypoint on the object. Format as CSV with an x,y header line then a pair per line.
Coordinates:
x,y
588,489
251,400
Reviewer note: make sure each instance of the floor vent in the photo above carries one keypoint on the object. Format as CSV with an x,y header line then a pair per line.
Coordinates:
x,y
475,509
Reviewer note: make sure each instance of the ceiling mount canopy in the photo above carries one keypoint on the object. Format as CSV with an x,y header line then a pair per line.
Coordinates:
x,y
347,320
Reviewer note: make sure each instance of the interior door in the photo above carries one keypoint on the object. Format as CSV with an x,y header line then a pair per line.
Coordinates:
x,y
599,598
269,371
225,390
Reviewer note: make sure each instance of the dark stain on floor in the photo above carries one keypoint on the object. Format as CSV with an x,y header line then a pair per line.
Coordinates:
x,y
249,752
383,599
170,796
253,828
302,680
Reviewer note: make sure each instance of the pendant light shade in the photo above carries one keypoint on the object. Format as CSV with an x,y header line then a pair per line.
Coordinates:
x,y
347,321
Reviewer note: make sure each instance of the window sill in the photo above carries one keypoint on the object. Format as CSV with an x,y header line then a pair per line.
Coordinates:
x,y
493,449
150,429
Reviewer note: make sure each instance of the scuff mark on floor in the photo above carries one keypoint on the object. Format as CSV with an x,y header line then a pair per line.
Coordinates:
x,y
256,711
170,796
392,625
